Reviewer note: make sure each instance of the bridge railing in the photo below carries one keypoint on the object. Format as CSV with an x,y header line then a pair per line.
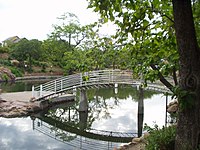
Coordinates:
x,y
106,77
90,78
82,79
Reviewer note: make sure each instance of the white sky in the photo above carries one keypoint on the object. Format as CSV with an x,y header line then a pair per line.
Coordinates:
x,y
33,19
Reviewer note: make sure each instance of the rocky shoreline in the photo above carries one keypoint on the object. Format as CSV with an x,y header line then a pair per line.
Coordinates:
x,y
20,104
135,144
11,109
13,106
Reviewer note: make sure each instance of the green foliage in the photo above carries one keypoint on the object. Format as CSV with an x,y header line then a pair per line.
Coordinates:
x,y
16,71
70,31
186,98
196,12
4,49
5,62
53,51
160,139
85,78
81,48
43,68
146,30
5,77
26,50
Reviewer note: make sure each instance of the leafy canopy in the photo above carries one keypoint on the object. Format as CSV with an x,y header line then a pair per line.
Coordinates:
x,y
146,28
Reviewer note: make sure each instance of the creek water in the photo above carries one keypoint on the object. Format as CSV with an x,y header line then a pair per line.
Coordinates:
x,y
110,115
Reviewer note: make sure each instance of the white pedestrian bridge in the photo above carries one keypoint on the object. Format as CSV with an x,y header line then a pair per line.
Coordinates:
x,y
91,79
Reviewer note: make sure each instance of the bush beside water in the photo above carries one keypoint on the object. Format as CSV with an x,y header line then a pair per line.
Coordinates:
x,y
160,139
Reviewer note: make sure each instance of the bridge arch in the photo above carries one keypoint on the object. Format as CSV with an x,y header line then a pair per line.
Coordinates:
x,y
96,78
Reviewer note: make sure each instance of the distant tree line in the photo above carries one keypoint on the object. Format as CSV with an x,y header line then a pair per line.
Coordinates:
x,y
72,47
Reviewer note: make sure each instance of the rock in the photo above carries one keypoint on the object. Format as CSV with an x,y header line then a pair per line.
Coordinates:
x,y
136,144
32,99
124,147
136,140
17,108
14,62
173,108
33,107
146,135
2,101
172,103
6,75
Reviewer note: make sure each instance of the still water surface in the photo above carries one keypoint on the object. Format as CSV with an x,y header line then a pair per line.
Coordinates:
x,y
65,128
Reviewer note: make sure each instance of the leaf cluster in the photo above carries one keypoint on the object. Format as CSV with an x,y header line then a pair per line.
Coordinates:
x,y
185,98
160,139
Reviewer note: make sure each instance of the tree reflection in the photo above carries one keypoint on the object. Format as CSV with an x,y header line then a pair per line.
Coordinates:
x,y
124,92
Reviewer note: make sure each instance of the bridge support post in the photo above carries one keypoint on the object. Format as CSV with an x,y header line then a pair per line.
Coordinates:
x,y
140,110
83,116
116,88
33,91
83,105
41,90
74,90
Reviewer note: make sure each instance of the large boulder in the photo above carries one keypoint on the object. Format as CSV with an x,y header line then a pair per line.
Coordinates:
x,y
6,75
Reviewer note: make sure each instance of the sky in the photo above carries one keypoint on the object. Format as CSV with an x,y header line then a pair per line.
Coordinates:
x,y
33,19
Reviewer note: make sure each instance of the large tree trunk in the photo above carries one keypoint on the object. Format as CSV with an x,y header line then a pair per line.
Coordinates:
x,y
188,127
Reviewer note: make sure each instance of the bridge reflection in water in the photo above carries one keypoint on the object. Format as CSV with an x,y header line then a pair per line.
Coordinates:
x,y
77,133
69,125
88,140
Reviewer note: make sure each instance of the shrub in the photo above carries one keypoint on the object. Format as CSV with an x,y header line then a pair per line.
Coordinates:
x,y
43,68
5,77
5,62
17,72
161,139
4,49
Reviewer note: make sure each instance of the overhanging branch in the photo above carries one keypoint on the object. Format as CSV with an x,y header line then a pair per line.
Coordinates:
x,y
162,78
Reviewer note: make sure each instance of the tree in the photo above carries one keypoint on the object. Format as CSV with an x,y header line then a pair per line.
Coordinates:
x,y
72,42
148,29
69,31
188,128
27,50
145,29
54,51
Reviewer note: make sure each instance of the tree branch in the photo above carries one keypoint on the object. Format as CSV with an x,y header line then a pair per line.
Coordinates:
x,y
162,78
162,14
174,76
